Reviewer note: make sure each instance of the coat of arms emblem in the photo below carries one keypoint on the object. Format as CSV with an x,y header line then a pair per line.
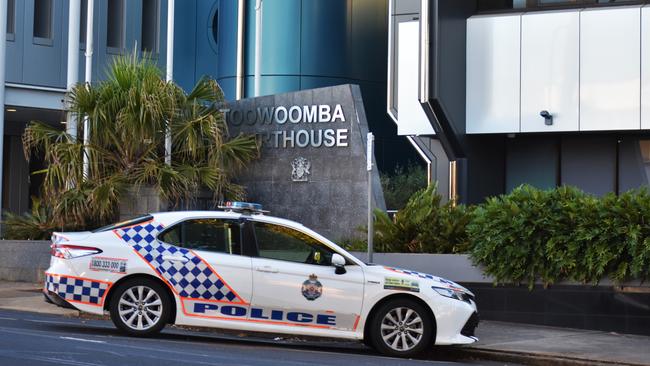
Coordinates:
x,y
300,171
312,288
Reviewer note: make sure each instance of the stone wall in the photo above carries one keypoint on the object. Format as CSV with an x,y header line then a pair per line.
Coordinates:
x,y
300,176
140,201
24,260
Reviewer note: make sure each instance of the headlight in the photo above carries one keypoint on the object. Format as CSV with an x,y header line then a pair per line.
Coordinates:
x,y
453,293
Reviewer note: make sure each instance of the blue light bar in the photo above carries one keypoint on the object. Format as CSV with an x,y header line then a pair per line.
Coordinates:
x,y
243,206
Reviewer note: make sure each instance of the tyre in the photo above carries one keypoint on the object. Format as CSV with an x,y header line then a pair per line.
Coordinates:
x,y
140,307
401,328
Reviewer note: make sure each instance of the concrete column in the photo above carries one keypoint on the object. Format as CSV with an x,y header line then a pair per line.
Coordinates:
x,y
90,16
3,59
170,72
239,93
74,17
258,47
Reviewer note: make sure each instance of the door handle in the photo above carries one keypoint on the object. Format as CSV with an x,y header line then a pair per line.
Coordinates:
x,y
268,269
175,258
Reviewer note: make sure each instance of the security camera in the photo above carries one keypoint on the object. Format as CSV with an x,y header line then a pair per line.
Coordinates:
x,y
548,118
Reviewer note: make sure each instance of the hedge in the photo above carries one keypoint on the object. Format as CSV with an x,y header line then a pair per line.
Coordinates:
x,y
530,234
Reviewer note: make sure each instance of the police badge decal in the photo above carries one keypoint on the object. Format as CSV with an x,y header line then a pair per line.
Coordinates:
x,y
312,288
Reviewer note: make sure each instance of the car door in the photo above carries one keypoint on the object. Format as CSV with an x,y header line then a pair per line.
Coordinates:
x,y
215,280
294,282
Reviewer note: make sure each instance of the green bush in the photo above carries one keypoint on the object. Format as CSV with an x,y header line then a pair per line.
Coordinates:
x,y
424,225
562,234
528,235
401,184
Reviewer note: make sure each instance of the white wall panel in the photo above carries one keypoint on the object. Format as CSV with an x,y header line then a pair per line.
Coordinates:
x,y
645,68
610,74
411,119
493,79
550,69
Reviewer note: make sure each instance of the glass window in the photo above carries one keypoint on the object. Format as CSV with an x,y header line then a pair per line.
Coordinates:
x,y
11,16
43,19
283,243
115,26
150,25
213,235
83,21
131,222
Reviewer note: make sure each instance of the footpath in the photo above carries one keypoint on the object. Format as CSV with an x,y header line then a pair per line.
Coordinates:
x,y
500,341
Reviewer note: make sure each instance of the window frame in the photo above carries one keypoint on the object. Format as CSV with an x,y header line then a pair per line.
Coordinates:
x,y
43,41
122,28
251,223
184,220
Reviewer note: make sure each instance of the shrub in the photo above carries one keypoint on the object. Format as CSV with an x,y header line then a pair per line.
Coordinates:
x,y
424,225
562,234
128,114
401,184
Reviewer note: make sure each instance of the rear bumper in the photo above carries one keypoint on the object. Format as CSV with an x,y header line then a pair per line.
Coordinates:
x,y
57,300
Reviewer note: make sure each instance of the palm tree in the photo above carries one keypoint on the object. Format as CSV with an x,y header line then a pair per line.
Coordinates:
x,y
129,114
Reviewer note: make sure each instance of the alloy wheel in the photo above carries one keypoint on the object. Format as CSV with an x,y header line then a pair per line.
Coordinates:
x,y
140,308
402,329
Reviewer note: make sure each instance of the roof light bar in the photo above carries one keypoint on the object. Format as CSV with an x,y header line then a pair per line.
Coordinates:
x,y
247,207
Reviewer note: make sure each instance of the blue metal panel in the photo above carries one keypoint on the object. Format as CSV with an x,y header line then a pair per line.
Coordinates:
x,y
42,63
325,37
185,43
368,40
281,37
272,85
206,48
228,86
14,65
227,42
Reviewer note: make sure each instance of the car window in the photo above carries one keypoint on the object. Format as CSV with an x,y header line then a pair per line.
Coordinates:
x,y
121,224
213,235
283,243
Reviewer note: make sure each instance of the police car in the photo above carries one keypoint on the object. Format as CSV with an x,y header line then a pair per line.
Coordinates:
x,y
242,269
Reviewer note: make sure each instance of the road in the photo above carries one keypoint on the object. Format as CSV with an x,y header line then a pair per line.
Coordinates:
x,y
37,339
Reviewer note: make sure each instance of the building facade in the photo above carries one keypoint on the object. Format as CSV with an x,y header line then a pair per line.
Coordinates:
x,y
305,44
540,92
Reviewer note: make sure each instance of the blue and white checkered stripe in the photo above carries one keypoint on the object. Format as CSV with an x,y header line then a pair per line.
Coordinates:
x,y
77,289
193,279
413,273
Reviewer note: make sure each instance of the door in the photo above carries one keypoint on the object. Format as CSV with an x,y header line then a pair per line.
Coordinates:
x,y
294,282
215,280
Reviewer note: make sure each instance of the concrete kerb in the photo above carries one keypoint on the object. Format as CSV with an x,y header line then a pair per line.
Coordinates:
x,y
529,358
24,260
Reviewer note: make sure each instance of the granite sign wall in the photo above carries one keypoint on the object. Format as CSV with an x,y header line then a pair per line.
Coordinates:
x,y
313,161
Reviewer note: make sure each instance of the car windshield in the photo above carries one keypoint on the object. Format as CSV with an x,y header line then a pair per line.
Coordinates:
x,y
130,222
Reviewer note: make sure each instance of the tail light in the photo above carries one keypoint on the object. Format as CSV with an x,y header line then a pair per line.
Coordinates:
x,y
67,251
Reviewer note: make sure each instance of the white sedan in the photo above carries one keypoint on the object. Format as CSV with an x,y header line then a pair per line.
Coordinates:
x,y
241,269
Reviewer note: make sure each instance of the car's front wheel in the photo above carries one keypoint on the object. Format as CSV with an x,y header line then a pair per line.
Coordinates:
x,y
401,328
140,307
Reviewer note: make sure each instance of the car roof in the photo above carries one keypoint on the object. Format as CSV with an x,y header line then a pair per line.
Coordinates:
x,y
173,216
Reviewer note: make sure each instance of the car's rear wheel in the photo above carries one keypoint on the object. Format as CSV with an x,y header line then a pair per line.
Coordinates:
x,y
140,307
401,328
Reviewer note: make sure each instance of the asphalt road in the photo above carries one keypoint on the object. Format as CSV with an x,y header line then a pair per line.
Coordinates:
x,y
37,339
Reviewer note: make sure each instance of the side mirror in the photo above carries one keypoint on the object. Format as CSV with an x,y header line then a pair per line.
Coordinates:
x,y
339,262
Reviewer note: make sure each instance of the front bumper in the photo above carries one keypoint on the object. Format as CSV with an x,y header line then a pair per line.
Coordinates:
x,y
470,326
